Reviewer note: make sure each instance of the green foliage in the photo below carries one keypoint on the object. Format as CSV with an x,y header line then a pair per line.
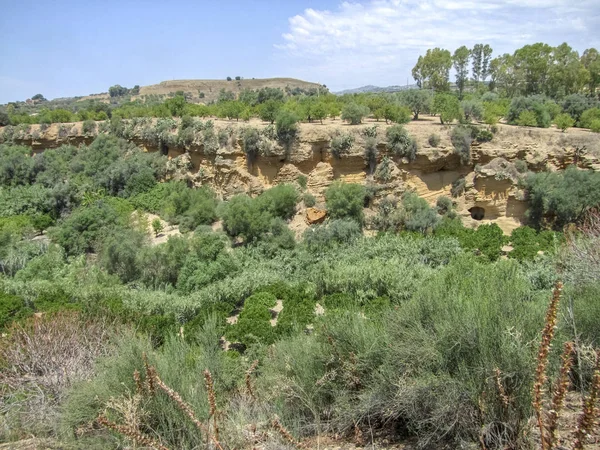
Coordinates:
x,y
484,135
320,238
564,121
595,126
434,139
353,113
88,127
286,126
157,226
527,243
189,208
527,119
432,70
588,117
417,100
417,215
447,107
279,201
250,142
401,143
472,109
302,180
309,200
461,138
559,198
253,325
341,145
11,308
345,200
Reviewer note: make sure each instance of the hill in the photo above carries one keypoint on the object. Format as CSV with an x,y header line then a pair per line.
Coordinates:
x,y
376,89
211,88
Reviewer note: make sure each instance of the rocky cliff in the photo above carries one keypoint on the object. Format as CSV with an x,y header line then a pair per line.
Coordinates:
x,y
485,189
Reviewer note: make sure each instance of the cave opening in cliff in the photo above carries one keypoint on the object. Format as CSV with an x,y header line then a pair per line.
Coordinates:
x,y
164,150
477,212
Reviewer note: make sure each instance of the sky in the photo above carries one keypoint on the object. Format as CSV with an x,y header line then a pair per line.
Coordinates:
x,y
65,48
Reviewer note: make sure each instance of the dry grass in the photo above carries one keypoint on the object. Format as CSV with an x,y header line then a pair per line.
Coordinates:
x,y
41,359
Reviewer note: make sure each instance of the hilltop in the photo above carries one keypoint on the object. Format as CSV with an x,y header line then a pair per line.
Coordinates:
x,y
211,88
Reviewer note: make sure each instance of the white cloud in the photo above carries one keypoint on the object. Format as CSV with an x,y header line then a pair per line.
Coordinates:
x,y
378,41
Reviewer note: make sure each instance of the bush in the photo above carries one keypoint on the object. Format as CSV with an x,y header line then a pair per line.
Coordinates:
x,y
461,138
243,217
320,238
309,200
253,325
279,201
595,126
447,106
418,100
341,145
527,119
472,109
417,214
434,140
250,142
484,135
588,117
354,113
286,126
400,142
559,198
345,200
576,104
88,127
521,166
563,121
444,205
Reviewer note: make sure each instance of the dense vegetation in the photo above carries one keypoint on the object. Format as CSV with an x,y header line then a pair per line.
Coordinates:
x,y
401,332
536,86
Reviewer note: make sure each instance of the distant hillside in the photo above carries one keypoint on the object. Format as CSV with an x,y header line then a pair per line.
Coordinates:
x,y
210,88
376,89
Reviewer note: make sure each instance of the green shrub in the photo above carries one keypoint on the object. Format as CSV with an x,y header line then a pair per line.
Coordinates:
x,y
12,308
461,138
588,117
320,238
527,242
302,180
595,126
559,198
286,126
250,142
472,109
401,143
563,121
444,205
309,200
354,113
279,201
345,200
253,325
484,135
447,106
434,140
417,214
527,119
341,145
243,217
521,166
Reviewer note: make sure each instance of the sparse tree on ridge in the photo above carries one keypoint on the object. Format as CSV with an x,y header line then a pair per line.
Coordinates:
x,y
433,69
460,59
482,55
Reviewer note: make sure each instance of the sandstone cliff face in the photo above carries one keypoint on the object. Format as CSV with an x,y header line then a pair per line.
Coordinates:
x,y
486,189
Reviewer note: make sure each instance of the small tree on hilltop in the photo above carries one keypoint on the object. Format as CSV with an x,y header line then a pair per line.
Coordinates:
x,y
563,121
157,226
354,113
447,106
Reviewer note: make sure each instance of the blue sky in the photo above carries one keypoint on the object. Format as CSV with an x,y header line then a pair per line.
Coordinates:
x,y
66,48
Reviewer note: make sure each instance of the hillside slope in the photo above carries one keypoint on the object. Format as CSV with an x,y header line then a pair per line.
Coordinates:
x,y
211,88
489,183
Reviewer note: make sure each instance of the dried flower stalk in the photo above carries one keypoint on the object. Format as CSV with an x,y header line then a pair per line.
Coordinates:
x,y
131,433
